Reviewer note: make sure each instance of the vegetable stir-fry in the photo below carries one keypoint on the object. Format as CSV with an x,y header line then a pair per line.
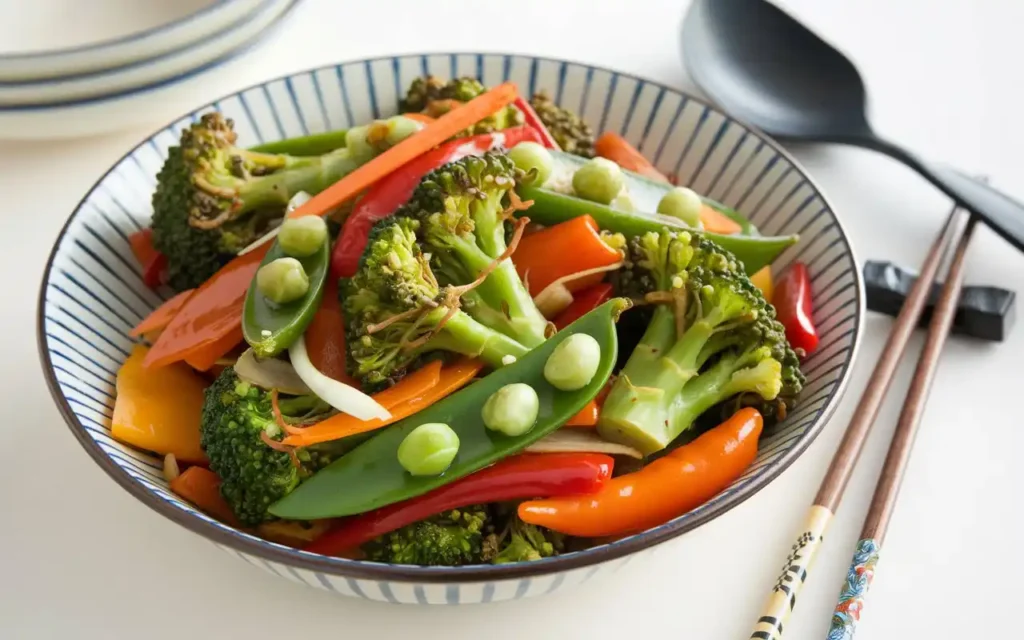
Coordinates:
x,y
429,339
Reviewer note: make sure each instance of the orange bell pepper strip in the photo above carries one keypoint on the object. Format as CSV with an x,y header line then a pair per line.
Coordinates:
x,y
458,119
159,410
160,317
564,249
415,385
204,359
665,489
452,378
201,487
587,416
615,148
198,331
325,337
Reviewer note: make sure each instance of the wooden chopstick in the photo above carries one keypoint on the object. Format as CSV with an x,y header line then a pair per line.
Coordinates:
x,y
782,599
862,568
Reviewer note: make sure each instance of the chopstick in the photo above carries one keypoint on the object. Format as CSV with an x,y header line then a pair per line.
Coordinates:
x,y
782,599
851,596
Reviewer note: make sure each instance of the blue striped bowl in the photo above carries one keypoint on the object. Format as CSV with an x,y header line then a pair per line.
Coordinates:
x,y
92,291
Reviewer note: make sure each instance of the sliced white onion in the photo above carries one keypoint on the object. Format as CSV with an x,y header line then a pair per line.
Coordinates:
x,y
555,297
573,440
171,469
297,201
270,373
337,394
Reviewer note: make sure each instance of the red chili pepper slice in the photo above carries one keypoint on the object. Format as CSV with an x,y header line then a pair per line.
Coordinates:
x,y
522,476
793,307
531,119
382,199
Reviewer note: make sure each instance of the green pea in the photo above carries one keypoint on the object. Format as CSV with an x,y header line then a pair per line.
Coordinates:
x,y
599,180
512,409
531,156
400,128
428,449
573,363
283,280
302,237
682,203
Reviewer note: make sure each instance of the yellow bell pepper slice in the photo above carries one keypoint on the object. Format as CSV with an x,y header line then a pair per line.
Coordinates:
x,y
158,409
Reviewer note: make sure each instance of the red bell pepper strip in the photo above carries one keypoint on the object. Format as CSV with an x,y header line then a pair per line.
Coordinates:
x,y
154,263
582,303
522,476
382,199
792,301
153,273
531,119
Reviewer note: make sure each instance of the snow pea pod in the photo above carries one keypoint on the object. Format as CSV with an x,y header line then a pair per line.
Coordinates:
x,y
646,192
269,327
315,144
551,207
371,477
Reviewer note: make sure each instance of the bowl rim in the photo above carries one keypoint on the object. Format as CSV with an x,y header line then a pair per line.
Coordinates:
x,y
242,543
232,53
129,38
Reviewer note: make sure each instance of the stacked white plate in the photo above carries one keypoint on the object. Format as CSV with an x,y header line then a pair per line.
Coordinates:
x,y
82,68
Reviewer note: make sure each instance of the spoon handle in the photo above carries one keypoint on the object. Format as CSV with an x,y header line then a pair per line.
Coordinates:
x,y
1004,214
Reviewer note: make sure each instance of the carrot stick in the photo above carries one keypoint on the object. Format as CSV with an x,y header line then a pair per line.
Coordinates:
x,y
201,487
564,249
715,221
615,148
325,337
162,315
453,377
432,135
413,386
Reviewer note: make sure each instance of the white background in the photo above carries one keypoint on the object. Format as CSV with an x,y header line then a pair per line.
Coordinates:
x,y
79,558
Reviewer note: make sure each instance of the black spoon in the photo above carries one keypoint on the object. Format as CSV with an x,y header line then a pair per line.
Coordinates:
x,y
768,69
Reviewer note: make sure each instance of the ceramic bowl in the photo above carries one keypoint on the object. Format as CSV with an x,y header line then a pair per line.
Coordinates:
x,y
92,292
188,30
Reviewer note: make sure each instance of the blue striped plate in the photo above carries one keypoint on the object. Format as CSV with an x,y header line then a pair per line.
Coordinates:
x,y
92,292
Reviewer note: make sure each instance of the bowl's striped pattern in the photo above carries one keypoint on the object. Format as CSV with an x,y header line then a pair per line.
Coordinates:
x,y
92,292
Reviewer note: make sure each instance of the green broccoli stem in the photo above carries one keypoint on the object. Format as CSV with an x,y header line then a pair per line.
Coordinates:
x,y
639,410
462,334
501,301
312,175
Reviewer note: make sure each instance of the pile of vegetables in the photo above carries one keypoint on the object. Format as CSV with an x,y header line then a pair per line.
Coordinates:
x,y
470,333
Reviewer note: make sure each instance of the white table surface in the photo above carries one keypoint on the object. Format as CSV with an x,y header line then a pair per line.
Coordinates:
x,y
79,558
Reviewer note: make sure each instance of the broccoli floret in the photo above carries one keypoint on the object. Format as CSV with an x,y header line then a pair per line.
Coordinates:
x,y
571,133
214,198
453,538
524,542
711,338
396,311
464,208
237,423
436,97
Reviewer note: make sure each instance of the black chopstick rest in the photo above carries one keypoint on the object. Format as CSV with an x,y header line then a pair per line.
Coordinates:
x,y
987,313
